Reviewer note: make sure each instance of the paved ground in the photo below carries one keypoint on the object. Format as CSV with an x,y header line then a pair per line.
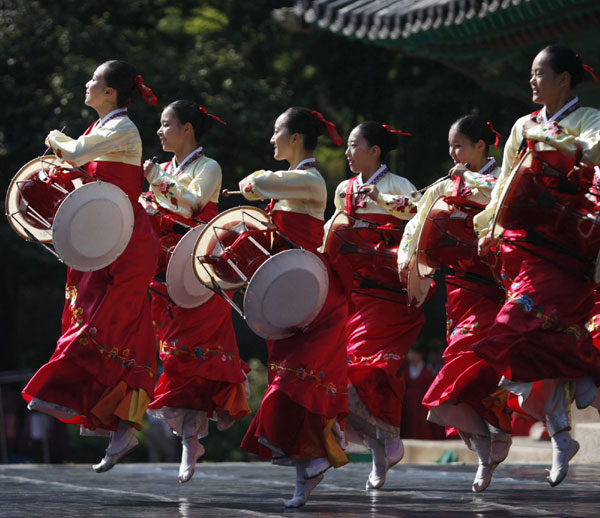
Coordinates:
x,y
243,490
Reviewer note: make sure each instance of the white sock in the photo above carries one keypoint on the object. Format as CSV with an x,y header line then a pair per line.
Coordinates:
x,y
482,445
119,440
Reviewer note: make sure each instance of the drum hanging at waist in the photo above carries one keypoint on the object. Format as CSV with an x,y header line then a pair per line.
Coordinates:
x,y
86,223
282,292
552,208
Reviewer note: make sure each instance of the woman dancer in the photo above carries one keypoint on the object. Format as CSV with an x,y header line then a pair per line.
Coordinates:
x,y
381,327
465,394
539,341
306,395
102,373
202,377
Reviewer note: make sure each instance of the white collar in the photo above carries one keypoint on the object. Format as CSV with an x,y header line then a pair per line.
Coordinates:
x,y
374,177
306,163
185,162
112,115
568,106
489,166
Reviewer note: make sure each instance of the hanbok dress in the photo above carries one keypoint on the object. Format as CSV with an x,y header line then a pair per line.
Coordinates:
x,y
539,341
307,392
103,369
203,376
381,326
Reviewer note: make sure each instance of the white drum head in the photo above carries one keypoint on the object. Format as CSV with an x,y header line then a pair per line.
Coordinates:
x,y
236,220
422,270
14,203
340,219
183,285
92,226
286,293
417,289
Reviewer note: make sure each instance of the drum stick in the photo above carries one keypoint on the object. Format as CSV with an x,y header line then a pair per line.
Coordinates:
x,y
226,192
48,148
448,176
419,191
344,194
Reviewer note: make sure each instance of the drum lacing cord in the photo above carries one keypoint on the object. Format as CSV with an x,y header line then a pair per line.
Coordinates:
x,y
160,294
446,278
567,186
367,284
542,241
349,248
220,291
79,170
379,297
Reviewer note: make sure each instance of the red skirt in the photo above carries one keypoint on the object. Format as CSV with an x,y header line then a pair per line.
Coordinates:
x,y
198,348
465,378
307,382
107,351
540,332
379,333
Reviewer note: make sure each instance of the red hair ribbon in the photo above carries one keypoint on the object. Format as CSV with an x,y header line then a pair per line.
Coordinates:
x,y
205,112
497,141
147,94
331,129
588,68
390,130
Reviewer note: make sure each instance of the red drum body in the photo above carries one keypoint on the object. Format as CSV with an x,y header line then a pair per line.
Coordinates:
x,y
35,194
447,240
283,292
244,246
86,224
553,206
232,248
370,245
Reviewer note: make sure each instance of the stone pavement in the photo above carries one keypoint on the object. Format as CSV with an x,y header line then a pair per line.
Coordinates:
x,y
257,489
